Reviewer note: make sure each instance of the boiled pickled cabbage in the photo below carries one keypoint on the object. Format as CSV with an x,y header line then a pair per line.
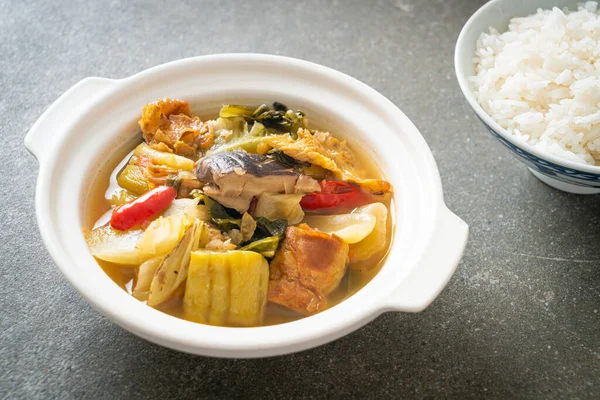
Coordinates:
x,y
164,158
144,277
162,235
173,270
273,206
189,207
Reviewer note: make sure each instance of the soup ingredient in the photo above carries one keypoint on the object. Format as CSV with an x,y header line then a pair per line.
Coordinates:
x,y
141,209
120,197
163,158
280,206
288,161
247,227
234,110
154,114
144,278
227,131
235,178
352,228
170,121
162,235
266,246
186,183
132,178
189,207
246,143
540,81
334,195
223,217
279,118
174,268
234,134
266,228
320,149
308,266
228,288
114,246
214,239
326,151
376,241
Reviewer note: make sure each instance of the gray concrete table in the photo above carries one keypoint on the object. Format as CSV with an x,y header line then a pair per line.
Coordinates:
x,y
520,318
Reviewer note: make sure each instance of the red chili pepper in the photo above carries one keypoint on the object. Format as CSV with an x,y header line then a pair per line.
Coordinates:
x,y
141,209
334,194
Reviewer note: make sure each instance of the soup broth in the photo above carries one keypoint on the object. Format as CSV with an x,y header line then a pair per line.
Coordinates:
x,y
358,274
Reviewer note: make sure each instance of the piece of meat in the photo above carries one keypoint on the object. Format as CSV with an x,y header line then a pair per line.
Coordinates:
x,y
327,152
307,267
170,121
235,178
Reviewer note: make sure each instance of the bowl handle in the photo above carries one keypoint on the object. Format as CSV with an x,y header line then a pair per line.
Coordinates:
x,y
47,130
425,282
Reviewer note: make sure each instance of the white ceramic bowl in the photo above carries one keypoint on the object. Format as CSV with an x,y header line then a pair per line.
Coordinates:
x,y
96,119
557,172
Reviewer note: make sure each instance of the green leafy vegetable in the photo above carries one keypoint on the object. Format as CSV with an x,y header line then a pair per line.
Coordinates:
x,y
277,106
278,118
226,224
267,246
247,143
232,111
174,181
266,228
121,197
132,179
225,218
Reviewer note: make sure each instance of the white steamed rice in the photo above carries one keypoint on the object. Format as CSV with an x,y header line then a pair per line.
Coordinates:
x,y
540,80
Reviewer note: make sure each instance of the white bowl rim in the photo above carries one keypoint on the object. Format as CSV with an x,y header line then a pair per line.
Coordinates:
x,y
481,113
213,344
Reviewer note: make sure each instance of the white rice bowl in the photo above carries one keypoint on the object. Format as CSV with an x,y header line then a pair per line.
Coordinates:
x,y
540,80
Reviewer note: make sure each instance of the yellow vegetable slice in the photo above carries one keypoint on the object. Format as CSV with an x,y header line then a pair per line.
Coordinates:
x,y
352,228
249,285
173,270
162,235
120,197
377,239
144,278
132,178
226,288
114,246
189,207
219,291
164,158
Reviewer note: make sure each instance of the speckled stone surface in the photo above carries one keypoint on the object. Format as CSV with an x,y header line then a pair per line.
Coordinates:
x,y
520,318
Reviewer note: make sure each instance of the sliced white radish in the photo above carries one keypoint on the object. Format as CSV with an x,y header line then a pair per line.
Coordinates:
x,y
352,228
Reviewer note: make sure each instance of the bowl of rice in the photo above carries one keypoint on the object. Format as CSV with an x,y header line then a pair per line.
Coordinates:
x,y
531,72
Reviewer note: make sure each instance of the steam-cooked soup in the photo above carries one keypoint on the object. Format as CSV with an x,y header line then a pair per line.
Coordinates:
x,y
249,219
